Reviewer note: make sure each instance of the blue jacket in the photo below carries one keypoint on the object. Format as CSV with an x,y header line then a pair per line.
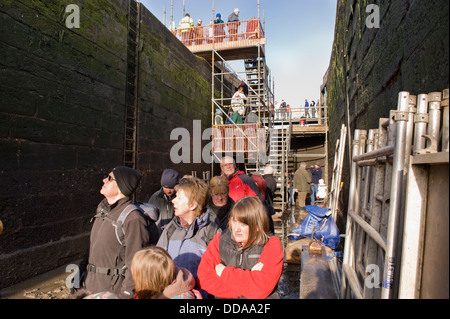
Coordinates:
x,y
186,247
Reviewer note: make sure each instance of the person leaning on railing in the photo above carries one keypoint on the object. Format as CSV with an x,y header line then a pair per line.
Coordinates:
x,y
198,33
219,31
233,24
185,29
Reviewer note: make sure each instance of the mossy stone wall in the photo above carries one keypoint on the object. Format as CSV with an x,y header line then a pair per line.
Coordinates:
x,y
62,97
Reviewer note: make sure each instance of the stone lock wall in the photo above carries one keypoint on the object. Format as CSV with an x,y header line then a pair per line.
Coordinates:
x,y
62,121
370,66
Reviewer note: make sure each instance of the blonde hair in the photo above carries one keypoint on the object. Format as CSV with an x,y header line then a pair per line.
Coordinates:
x,y
219,185
152,270
250,210
196,190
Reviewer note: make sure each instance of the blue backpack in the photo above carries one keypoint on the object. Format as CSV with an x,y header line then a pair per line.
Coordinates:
x,y
320,225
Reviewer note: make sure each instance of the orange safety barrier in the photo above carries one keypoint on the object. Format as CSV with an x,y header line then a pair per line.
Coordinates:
x,y
202,38
238,138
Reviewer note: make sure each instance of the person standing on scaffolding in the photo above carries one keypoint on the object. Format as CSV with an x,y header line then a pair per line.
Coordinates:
x,y
282,110
185,29
306,109
198,33
233,24
218,119
219,31
238,100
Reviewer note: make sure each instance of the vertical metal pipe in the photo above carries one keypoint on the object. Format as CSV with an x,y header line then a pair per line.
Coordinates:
x,y
434,123
412,101
445,123
401,118
408,151
420,122
348,258
357,195
363,238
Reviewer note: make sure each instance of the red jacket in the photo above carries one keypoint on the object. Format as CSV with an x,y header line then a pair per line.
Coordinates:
x,y
262,185
237,282
242,185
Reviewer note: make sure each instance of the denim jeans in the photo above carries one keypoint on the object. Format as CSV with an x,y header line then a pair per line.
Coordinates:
x,y
314,189
291,195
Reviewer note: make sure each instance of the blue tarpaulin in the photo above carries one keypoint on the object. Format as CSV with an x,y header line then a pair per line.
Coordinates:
x,y
320,225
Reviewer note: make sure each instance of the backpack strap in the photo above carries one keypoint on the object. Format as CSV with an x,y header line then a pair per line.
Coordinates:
x,y
120,233
170,231
118,224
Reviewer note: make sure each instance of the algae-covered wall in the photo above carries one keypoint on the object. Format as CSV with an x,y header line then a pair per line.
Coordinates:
x,y
62,97
370,64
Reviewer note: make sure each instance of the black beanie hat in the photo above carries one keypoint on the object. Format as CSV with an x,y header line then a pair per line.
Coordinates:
x,y
169,178
127,179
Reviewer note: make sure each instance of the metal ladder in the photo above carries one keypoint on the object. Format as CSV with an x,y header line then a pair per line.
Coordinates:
x,y
377,244
131,88
333,197
279,149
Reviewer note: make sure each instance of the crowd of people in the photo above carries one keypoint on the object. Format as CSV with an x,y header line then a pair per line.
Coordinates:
x,y
309,110
304,182
214,239
217,30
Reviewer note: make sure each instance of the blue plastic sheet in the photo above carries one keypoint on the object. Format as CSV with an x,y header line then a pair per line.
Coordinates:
x,y
320,225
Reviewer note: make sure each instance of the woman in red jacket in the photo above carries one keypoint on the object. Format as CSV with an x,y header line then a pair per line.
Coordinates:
x,y
243,261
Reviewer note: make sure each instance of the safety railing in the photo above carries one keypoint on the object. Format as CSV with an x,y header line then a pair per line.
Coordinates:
x,y
303,115
204,38
374,240
238,138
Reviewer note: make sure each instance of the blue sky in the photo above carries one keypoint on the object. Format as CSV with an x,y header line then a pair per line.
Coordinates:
x,y
299,36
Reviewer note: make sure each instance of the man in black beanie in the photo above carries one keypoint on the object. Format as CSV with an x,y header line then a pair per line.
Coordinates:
x,y
109,263
163,198
127,179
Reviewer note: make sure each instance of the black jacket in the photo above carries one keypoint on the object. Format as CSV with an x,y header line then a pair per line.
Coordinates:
x,y
166,211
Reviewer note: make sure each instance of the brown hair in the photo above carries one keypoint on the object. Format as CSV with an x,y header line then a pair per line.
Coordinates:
x,y
219,185
251,211
152,270
196,190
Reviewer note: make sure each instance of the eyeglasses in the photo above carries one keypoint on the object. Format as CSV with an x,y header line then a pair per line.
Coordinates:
x,y
230,165
110,178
